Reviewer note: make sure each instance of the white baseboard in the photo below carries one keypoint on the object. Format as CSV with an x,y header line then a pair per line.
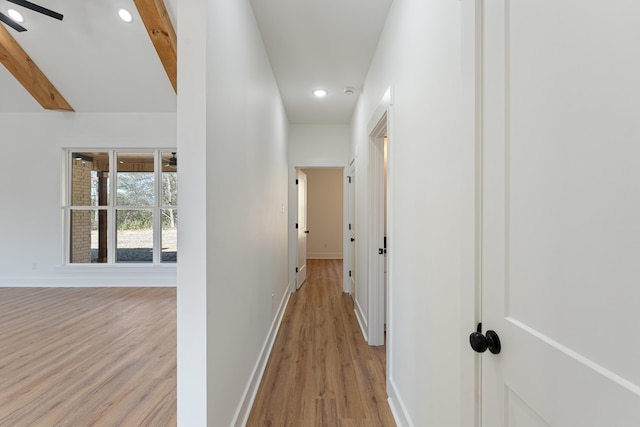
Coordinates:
x,y
398,410
97,276
324,255
244,409
362,321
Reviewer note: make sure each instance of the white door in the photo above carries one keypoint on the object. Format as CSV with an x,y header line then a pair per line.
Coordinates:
x,y
561,213
302,229
377,222
352,231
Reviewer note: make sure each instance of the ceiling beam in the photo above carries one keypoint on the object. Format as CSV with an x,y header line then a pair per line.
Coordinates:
x,y
16,60
158,24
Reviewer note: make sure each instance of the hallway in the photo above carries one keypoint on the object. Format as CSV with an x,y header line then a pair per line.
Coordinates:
x,y
321,371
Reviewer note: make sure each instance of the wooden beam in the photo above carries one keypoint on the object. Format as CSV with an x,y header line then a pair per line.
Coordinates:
x,y
158,24
16,60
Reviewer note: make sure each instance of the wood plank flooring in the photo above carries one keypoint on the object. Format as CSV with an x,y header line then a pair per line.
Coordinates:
x,y
321,372
87,357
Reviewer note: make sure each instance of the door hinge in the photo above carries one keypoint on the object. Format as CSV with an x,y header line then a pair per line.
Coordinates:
x,y
349,226
296,182
349,179
296,269
296,225
349,273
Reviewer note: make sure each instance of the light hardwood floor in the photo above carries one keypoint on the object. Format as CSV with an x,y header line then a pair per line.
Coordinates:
x,y
74,357
321,372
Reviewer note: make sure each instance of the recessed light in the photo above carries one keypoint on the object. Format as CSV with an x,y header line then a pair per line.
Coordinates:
x,y
15,15
320,93
125,15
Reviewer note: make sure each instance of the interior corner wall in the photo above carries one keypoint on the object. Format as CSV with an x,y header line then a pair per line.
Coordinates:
x,y
431,187
32,175
232,276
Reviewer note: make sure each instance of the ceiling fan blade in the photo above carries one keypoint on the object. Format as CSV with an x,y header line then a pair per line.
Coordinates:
x,y
10,22
39,9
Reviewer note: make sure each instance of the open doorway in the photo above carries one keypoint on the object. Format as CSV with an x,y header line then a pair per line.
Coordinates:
x,y
325,213
302,228
320,216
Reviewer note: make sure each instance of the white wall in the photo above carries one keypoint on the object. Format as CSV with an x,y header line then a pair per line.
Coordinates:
x,y
232,276
318,145
32,175
325,212
431,188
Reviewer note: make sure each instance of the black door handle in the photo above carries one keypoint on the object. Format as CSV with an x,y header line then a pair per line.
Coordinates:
x,y
306,231
353,239
480,343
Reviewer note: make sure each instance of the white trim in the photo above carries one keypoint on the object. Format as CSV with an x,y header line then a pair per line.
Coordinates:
x,y
378,125
293,215
398,408
301,227
362,321
156,217
325,255
112,207
381,110
98,276
471,288
346,244
241,416
349,254
292,231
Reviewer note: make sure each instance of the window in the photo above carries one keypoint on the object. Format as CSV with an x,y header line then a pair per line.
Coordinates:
x,y
130,219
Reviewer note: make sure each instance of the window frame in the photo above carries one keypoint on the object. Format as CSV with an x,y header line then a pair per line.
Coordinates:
x,y
112,207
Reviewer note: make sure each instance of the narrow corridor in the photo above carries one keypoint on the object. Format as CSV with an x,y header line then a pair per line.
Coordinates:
x,y
321,371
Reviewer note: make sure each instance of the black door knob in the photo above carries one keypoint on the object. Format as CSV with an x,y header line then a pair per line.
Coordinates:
x,y
480,343
353,240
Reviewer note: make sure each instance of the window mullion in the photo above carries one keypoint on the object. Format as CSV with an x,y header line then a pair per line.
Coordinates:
x,y
67,210
157,221
111,209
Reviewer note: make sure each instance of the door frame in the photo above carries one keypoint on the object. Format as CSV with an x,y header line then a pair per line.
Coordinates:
x,y
350,201
471,284
293,218
299,174
378,128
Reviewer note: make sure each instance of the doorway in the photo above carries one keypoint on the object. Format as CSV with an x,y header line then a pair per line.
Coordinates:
x,y
302,228
378,239
350,254
320,216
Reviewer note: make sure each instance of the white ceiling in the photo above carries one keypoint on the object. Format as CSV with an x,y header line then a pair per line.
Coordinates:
x,y
100,64
96,61
326,43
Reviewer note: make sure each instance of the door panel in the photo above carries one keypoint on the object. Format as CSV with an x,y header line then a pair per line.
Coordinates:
x,y
519,413
561,236
352,230
301,276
